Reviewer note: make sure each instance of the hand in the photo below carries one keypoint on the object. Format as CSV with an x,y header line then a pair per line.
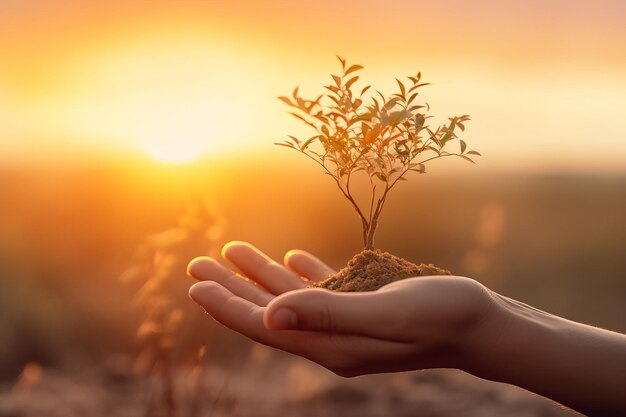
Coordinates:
x,y
411,324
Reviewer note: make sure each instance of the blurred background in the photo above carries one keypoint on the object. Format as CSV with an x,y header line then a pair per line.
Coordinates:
x,y
135,136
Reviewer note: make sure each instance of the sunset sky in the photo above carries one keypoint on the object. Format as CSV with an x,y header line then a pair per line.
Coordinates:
x,y
544,81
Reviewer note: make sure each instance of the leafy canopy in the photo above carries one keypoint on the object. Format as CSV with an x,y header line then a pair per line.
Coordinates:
x,y
356,130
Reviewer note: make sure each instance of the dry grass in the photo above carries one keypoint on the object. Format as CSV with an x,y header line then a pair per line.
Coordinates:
x,y
162,331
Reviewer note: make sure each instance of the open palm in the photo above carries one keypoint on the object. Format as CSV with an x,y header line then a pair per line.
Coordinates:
x,y
410,324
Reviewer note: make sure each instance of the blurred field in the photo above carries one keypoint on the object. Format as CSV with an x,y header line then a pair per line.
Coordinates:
x,y
264,384
66,234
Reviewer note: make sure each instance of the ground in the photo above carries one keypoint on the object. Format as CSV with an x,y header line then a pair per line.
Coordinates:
x,y
267,384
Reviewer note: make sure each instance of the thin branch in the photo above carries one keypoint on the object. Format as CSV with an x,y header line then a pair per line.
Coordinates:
x,y
338,182
373,186
437,157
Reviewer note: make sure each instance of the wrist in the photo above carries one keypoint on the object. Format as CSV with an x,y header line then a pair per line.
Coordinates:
x,y
520,345
577,365
503,327
483,316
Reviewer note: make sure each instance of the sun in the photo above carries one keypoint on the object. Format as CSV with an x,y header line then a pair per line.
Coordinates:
x,y
173,152
175,147
176,135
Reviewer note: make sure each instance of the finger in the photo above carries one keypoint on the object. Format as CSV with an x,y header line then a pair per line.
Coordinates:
x,y
374,314
259,267
337,352
207,269
235,312
307,265
246,318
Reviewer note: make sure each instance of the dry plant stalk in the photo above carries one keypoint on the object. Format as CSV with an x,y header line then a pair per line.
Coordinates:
x,y
156,266
382,137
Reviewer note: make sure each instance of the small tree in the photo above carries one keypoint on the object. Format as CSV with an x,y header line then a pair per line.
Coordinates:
x,y
384,138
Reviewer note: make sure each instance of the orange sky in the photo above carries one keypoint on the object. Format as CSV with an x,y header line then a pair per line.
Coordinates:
x,y
545,82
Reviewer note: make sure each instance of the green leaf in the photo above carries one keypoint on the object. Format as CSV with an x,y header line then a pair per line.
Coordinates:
x,y
463,146
448,135
337,80
392,102
353,68
398,116
351,81
365,89
285,100
335,99
308,142
402,89
286,145
297,116
421,168
467,159
365,116
473,153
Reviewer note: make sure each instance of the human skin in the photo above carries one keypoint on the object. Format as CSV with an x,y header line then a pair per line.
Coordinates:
x,y
416,323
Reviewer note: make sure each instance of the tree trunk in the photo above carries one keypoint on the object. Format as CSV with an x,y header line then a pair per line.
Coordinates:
x,y
369,240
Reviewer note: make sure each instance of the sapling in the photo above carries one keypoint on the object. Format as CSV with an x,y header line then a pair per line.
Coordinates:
x,y
381,138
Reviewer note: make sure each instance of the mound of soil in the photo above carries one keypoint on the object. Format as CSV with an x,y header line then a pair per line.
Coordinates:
x,y
371,269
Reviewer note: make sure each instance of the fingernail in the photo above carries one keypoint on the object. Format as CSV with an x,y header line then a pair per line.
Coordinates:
x,y
283,319
195,265
198,289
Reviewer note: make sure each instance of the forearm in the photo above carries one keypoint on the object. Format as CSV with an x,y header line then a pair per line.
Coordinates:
x,y
579,366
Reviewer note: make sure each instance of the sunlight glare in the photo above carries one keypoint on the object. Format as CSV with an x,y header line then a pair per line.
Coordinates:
x,y
174,149
173,137
174,99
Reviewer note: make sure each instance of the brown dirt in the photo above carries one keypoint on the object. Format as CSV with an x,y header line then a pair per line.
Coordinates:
x,y
371,269
255,386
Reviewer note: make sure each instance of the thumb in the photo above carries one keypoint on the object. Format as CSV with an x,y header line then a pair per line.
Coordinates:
x,y
369,314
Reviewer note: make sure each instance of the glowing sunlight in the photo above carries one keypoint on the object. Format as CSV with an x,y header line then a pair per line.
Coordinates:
x,y
177,135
